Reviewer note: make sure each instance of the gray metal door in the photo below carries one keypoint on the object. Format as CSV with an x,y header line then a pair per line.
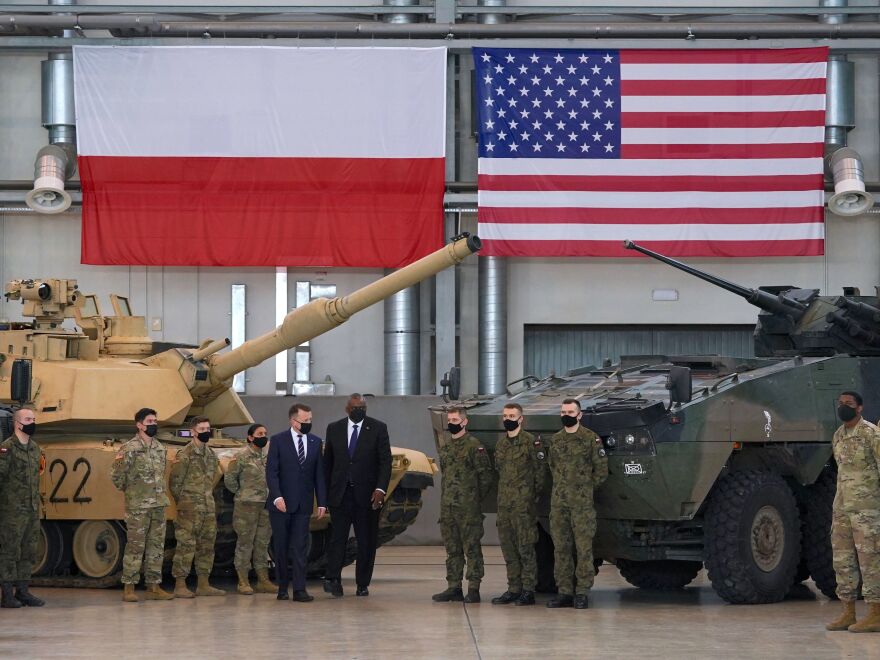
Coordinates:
x,y
558,348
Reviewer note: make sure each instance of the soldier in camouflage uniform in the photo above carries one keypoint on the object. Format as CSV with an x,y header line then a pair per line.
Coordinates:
x,y
139,472
467,478
578,465
519,461
246,478
21,463
194,472
855,521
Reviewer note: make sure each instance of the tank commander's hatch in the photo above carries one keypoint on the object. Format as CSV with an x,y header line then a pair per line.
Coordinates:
x,y
120,305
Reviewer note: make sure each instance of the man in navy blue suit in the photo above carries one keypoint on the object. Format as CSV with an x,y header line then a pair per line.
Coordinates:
x,y
295,476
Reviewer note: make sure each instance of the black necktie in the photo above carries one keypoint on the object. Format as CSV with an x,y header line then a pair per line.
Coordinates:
x,y
301,450
353,443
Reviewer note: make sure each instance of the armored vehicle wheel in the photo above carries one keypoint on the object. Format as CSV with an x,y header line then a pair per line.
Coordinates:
x,y
752,537
51,549
98,547
816,530
399,512
659,575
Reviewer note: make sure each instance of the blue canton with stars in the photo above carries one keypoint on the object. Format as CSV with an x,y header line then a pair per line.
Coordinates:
x,y
548,103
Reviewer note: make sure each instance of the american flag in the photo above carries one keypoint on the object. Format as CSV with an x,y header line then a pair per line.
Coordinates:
x,y
692,153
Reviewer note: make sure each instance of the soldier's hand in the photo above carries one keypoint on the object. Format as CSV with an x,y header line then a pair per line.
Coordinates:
x,y
322,511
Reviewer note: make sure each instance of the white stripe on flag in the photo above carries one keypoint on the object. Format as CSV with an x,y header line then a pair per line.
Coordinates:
x,y
660,200
777,135
649,167
666,232
766,71
247,101
781,103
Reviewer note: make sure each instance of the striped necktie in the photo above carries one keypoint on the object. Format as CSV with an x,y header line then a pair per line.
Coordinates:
x,y
301,450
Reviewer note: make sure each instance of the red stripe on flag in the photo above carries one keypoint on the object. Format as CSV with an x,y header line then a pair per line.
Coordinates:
x,y
710,151
521,182
364,212
721,119
722,87
650,216
789,248
709,56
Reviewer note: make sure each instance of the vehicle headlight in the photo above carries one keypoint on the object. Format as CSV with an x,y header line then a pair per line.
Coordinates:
x,y
630,439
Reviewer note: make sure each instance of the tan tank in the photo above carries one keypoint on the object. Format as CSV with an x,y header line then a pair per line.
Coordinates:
x,y
85,385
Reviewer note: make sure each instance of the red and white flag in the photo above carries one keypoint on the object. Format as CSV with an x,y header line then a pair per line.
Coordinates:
x,y
260,156
692,153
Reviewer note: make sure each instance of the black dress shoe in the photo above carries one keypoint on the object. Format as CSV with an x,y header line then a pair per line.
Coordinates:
x,y
334,588
362,591
505,598
562,600
526,598
581,602
302,596
282,595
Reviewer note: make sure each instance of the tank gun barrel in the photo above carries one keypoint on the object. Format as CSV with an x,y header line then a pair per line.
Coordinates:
x,y
859,309
210,349
767,301
320,315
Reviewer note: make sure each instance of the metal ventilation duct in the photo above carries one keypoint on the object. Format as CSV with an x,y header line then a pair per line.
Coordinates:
x,y
492,19
402,340
402,18
493,325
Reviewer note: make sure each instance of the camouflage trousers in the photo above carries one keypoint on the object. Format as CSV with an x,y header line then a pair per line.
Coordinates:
x,y
518,533
462,533
855,542
572,531
195,532
250,520
19,543
145,545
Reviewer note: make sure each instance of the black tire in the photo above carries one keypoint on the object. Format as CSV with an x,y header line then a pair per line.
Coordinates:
x,y
816,530
659,575
51,549
544,554
752,537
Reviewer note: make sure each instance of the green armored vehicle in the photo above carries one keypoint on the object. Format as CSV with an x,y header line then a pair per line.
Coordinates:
x,y
718,461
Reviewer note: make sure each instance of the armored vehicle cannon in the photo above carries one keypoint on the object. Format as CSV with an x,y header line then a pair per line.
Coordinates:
x,y
716,461
85,385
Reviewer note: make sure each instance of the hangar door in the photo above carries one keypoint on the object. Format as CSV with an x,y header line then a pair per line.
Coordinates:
x,y
559,348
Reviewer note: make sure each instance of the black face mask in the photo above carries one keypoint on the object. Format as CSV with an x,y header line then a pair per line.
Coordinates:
x,y
846,413
511,425
151,430
569,421
204,436
454,429
357,415
261,442
29,429
305,427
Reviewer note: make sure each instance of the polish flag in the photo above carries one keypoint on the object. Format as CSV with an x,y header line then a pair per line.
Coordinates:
x,y
260,156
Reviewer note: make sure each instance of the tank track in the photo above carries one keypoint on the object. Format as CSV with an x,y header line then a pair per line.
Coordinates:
x,y
77,581
400,511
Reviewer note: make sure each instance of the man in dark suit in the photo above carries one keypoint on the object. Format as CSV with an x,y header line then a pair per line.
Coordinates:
x,y
357,462
295,476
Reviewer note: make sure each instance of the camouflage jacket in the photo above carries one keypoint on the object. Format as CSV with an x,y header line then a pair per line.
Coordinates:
x,y
521,468
467,473
246,476
139,472
194,471
578,464
857,452
20,467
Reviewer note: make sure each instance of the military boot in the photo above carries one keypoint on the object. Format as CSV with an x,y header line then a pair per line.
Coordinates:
x,y
450,595
244,585
264,584
25,597
506,597
526,598
155,592
562,600
870,623
846,618
205,589
473,595
180,590
128,594
8,598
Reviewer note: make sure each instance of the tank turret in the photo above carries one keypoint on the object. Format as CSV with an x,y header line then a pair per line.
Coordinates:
x,y
795,321
100,374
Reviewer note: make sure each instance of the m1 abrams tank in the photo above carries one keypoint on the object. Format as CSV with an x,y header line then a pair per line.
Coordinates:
x,y
86,384
716,461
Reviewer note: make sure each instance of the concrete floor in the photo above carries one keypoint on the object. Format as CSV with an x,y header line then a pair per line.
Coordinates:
x,y
400,620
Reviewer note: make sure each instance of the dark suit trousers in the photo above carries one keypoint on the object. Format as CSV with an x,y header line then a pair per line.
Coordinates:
x,y
290,541
366,531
